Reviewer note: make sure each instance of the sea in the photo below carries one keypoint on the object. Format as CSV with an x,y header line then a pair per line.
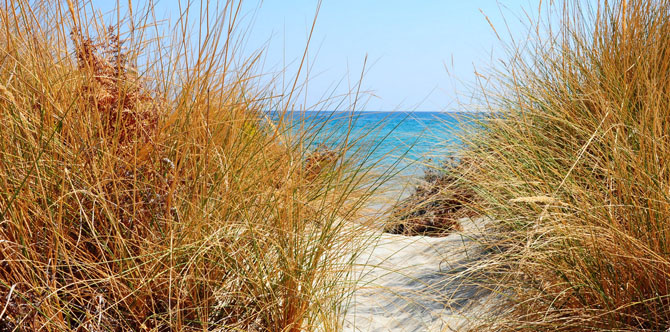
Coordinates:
x,y
403,144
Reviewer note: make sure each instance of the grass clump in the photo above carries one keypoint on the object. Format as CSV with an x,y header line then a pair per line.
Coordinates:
x,y
573,165
143,189
436,203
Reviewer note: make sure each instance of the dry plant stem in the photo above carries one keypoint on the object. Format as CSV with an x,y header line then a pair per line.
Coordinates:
x,y
573,165
143,190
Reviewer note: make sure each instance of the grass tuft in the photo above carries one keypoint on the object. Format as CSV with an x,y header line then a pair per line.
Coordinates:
x,y
573,166
143,188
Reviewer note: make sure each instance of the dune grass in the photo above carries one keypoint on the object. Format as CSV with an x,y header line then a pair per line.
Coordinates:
x,y
143,188
573,166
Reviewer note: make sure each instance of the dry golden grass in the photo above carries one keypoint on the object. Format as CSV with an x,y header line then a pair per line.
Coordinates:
x,y
575,169
142,190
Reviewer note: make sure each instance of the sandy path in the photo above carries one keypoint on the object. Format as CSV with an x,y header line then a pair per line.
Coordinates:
x,y
417,283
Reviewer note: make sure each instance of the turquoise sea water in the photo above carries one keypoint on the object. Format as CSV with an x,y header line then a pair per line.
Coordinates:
x,y
407,140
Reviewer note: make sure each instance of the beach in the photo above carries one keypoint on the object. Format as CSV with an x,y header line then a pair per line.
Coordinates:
x,y
420,283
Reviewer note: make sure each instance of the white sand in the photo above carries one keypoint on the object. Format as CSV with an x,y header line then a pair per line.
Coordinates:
x,y
418,283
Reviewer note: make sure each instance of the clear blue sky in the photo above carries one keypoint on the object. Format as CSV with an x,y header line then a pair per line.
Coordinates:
x,y
408,44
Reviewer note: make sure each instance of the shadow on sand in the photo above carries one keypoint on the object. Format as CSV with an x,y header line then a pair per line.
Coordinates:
x,y
419,283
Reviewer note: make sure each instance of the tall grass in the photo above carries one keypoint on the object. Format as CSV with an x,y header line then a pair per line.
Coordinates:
x,y
143,189
574,167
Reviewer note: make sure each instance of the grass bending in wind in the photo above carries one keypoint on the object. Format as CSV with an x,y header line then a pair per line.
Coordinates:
x,y
574,166
143,190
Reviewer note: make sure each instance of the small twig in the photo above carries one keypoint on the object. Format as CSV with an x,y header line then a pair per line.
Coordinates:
x,y
9,296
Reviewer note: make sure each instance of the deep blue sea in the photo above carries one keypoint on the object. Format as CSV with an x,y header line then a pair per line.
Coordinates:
x,y
406,140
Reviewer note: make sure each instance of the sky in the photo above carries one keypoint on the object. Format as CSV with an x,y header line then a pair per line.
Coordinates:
x,y
421,55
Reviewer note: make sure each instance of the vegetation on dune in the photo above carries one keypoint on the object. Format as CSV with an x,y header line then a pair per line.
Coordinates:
x,y
142,188
574,169
436,204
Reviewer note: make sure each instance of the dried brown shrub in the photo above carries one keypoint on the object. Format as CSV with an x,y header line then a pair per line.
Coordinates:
x,y
128,112
437,203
